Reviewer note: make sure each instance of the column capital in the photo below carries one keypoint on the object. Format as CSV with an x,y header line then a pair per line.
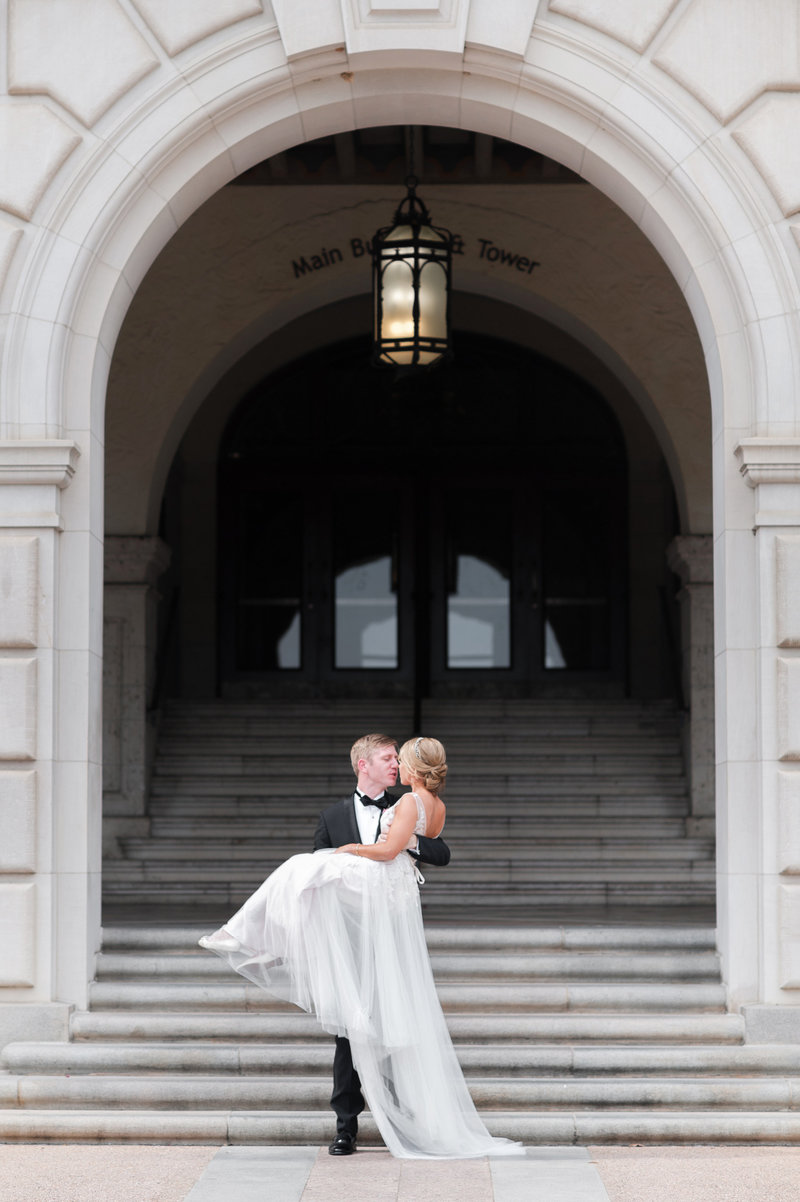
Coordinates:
x,y
691,556
769,460
134,559
32,476
771,466
45,461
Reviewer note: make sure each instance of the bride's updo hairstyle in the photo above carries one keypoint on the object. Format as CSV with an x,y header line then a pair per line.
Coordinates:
x,y
425,759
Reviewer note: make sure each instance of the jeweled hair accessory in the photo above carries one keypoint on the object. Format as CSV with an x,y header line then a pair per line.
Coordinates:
x,y
416,748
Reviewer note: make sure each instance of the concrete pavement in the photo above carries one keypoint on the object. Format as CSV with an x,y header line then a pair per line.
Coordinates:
x,y
146,1173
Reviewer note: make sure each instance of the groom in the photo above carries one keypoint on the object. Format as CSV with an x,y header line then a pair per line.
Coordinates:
x,y
356,819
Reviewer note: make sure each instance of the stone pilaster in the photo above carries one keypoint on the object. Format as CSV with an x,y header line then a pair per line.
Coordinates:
x,y
133,565
45,878
690,556
771,467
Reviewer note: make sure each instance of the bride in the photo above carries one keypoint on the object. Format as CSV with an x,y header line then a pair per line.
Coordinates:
x,y
339,933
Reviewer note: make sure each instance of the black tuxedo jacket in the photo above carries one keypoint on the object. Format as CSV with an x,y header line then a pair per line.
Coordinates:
x,y
337,825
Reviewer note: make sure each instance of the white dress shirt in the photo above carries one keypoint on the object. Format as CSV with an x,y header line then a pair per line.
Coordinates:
x,y
367,819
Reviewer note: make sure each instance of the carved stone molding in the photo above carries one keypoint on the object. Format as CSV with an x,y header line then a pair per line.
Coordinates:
x,y
629,21
376,27
769,460
19,611
45,467
787,590
26,176
178,25
766,134
84,56
46,461
18,819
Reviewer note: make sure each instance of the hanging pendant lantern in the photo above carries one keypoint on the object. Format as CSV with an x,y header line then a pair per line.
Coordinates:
x,y
411,277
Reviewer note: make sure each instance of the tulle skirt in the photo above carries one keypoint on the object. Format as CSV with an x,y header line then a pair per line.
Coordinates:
x,y
341,937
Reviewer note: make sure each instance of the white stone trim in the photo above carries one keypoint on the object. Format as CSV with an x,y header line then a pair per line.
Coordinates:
x,y
43,461
769,460
771,466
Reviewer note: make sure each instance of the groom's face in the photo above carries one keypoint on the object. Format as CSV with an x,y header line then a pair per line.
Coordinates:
x,y
381,768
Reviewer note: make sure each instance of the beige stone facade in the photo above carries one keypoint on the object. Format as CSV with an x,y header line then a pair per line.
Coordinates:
x,y
672,279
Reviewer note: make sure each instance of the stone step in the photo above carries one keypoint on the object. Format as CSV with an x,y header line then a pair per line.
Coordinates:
x,y
460,737
502,851
463,872
447,902
244,825
522,833
315,1058
289,1026
561,785
514,812
334,708
271,1092
444,937
470,967
259,1127
489,716
261,837
491,997
273,747
318,774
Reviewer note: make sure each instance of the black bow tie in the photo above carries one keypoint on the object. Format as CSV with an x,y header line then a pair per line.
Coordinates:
x,y
383,803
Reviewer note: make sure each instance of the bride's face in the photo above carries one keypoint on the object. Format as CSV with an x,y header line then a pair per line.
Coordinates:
x,y
406,777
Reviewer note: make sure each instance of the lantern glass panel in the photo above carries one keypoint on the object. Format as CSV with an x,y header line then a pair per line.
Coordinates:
x,y
398,301
433,302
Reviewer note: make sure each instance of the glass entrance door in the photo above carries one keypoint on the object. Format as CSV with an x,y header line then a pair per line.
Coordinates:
x,y
527,585
384,586
478,573
478,629
425,540
316,584
364,580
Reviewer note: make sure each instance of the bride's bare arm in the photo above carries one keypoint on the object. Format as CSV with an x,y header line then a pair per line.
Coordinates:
x,y
405,819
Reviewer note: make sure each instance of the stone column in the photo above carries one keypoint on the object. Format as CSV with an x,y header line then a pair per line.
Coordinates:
x,y
46,858
690,556
132,566
763,827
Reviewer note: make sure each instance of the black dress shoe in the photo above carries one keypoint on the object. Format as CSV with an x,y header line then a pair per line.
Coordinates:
x,y
343,1145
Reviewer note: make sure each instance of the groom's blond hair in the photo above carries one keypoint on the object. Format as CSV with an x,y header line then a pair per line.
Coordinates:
x,y
365,748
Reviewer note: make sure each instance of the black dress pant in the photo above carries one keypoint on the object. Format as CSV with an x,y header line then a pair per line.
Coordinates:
x,y
347,1100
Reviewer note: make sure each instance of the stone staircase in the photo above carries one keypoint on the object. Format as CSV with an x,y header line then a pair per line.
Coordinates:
x,y
570,1034
572,941
561,806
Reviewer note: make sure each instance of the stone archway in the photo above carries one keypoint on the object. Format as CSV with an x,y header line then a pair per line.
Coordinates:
x,y
125,157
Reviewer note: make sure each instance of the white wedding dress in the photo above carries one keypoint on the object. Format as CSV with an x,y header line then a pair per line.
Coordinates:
x,y
341,936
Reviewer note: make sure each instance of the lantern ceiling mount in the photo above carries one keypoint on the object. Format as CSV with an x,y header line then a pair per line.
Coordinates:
x,y
411,280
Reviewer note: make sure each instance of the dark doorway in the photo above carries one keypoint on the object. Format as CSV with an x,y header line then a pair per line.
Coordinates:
x,y
461,531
